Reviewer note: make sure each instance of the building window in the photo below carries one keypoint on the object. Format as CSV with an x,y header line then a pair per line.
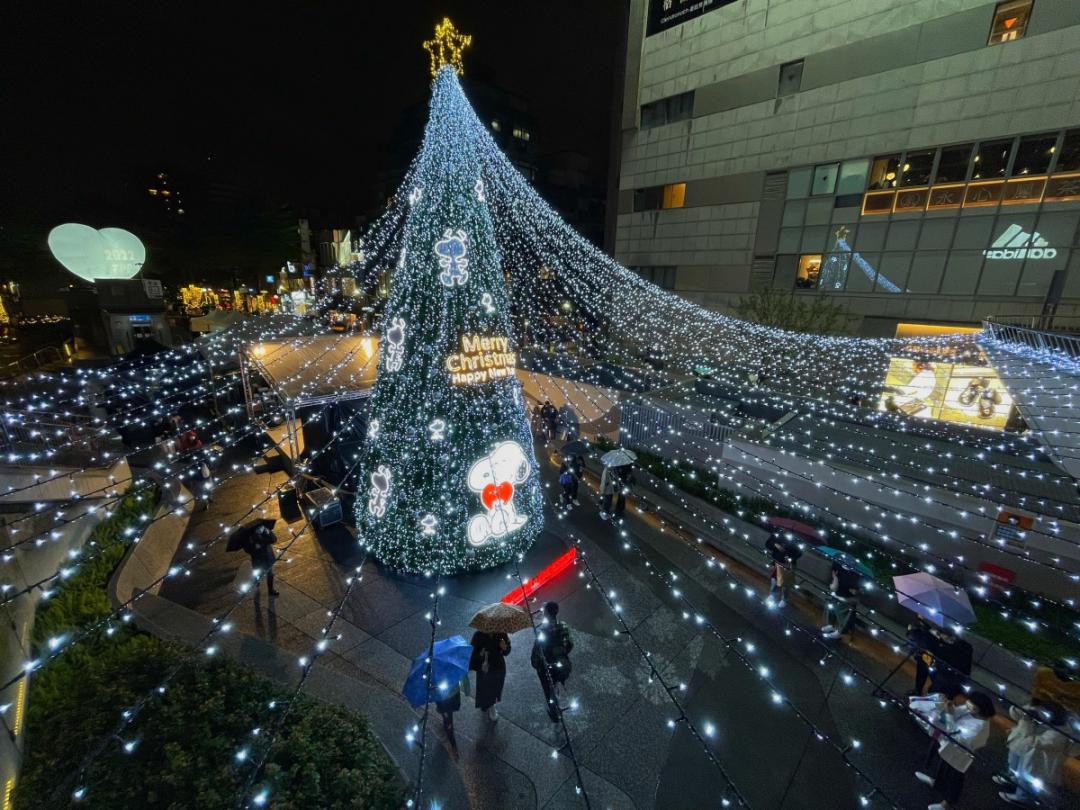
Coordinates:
x,y
667,110
674,195
1069,159
953,164
1010,21
916,168
1034,154
521,134
883,172
647,199
991,159
808,271
496,125
790,79
660,276
824,179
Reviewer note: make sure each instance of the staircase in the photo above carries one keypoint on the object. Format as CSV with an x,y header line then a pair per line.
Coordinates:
x,y
1041,369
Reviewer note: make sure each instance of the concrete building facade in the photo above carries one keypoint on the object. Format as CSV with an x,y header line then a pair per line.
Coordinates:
x,y
916,160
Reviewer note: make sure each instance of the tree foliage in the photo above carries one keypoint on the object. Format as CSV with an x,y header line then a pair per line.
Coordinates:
x,y
813,314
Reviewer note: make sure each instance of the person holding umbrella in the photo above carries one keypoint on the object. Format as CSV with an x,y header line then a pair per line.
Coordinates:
x,y
945,608
257,539
490,646
436,675
260,548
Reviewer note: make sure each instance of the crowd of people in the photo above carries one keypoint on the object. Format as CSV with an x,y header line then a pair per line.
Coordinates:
x,y
550,658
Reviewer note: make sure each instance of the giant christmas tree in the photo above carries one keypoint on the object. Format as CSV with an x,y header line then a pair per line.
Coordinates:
x,y
452,479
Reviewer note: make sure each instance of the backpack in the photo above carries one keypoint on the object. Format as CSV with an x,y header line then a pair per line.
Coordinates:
x,y
566,479
555,649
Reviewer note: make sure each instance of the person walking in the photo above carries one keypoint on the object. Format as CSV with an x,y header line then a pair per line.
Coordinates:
x,y
923,643
781,569
447,705
1037,752
622,489
550,417
953,657
261,550
967,730
569,483
841,610
488,661
551,656
608,484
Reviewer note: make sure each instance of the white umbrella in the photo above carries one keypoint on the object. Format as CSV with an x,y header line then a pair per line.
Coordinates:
x,y
619,457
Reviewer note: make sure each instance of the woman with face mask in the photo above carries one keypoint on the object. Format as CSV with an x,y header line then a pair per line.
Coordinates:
x,y
966,729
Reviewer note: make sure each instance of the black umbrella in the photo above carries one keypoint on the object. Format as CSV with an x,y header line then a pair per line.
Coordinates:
x,y
242,537
575,448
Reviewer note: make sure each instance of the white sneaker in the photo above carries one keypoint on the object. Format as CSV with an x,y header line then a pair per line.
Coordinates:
x,y
827,628
781,603
577,502
925,778
832,634
936,806
493,714
604,516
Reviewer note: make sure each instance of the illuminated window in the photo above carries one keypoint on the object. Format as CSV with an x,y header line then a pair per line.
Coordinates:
x,y
521,134
496,125
674,195
1034,154
991,159
1010,21
808,272
153,192
1069,159
179,210
953,164
884,171
916,168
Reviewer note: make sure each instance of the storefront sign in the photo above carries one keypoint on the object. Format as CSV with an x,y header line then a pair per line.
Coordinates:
x,y
949,195
1017,243
1063,187
984,193
481,359
1011,529
665,14
1023,190
878,202
911,199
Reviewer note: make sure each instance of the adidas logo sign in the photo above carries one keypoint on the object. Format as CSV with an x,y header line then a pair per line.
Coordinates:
x,y
1016,243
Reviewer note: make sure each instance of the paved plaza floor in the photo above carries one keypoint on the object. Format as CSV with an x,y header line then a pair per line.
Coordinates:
x,y
628,755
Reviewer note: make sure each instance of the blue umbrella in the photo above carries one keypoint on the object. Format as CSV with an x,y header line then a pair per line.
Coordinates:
x,y
846,560
933,599
449,664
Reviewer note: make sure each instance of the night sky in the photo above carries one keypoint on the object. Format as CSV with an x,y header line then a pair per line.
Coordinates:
x,y
294,103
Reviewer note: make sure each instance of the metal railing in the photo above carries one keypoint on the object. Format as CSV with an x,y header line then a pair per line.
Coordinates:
x,y
32,362
1057,335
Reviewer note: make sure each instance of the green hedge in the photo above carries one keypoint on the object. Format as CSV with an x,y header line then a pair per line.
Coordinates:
x,y
187,738
325,757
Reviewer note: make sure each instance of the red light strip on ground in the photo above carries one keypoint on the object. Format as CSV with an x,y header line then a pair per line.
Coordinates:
x,y
519,595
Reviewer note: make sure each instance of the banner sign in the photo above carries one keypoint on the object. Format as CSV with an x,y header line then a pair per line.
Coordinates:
x,y
665,14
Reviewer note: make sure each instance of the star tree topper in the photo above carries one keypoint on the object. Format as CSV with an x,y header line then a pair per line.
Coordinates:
x,y
447,47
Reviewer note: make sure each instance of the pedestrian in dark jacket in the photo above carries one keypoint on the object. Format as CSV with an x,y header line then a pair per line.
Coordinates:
x,y
489,664
261,550
953,658
551,656
551,418
923,643
568,480
626,478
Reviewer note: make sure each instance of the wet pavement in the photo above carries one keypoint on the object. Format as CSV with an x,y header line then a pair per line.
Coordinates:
x,y
627,753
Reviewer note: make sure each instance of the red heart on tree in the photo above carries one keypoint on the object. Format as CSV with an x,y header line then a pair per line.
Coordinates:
x,y
502,492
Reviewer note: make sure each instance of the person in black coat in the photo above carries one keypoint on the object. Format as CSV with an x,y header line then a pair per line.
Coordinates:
x,y
953,658
923,643
489,664
261,550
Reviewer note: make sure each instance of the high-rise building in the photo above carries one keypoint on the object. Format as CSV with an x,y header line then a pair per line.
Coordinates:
x,y
914,160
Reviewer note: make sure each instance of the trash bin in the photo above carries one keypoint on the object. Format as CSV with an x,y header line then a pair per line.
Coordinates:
x,y
288,504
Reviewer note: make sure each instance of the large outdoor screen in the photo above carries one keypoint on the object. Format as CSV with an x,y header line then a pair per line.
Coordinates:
x,y
90,254
965,394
